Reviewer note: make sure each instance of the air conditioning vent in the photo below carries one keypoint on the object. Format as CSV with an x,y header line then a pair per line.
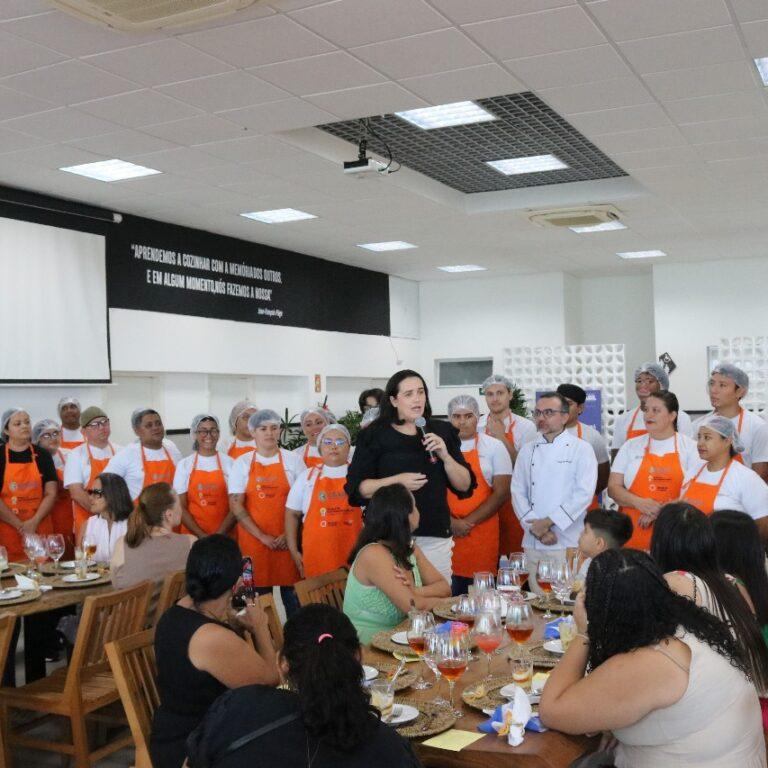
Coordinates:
x,y
575,217
141,15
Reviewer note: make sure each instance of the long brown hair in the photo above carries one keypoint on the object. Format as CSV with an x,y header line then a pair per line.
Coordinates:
x,y
154,501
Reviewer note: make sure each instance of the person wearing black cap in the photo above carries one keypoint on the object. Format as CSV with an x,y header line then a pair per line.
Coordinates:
x,y
576,397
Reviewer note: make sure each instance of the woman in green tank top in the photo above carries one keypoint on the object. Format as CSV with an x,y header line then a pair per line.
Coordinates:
x,y
389,574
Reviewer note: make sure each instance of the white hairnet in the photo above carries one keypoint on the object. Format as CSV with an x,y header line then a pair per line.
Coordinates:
x,y
327,415
370,416
726,428
466,402
68,401
333,428
43,426
263,416
202,417
139,414
497,378
238,409
729,370
7,414
655,370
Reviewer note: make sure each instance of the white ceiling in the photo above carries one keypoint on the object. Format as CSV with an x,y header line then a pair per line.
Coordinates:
x,y
666,88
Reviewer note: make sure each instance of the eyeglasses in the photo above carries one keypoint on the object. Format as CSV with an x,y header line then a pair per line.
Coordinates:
x,y
338,442
51,435
546,413
98,424
96,492
208,432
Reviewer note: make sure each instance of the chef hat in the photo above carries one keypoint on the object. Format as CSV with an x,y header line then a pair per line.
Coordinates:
x,y
466,402
263,416
139,414
68,401
8,414
43,426
370,416
327,415
238,409
733,372
655,370
497,378
333,428
202,417
725,428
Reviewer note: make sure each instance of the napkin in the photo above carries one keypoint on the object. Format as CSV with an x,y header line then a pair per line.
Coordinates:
x,y
454,740
27,584
506,719
552,629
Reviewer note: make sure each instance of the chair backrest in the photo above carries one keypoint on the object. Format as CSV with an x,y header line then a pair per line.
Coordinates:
x,y
275,627
105,618
133,665
174,588
7,625
327,588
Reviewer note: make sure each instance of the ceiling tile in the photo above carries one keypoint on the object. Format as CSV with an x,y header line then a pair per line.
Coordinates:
x,y
166,61
630,20
316,74
704,108
359,22
69,82
617,120
55,156
725,130
702,81
224,175
756,35
750,10
285,115
631,141
263,41
17,9
536,33
123,144
587,65
462,84
138,108
196,130
13,141
463,12
17,55
231,90
367,101
61,125
294,5
683,50
15,104
256,11
731,150
654,158
240,150
622,92
182,160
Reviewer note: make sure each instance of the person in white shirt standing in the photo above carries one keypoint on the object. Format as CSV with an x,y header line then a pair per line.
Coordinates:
x,y
727,386
552,485
649,378
69,413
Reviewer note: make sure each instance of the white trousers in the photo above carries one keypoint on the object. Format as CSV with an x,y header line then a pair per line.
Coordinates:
x,y
532,557
438,551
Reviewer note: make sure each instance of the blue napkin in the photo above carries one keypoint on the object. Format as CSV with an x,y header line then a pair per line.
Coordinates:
x,y
552,629
534,724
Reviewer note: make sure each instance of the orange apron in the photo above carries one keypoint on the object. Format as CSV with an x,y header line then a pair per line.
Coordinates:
x,y
62,514
22,493
595,501
659,478
631,431
157,471
703,495
310,461
478,551
97,467
331,526
235,451
510,530
69,445
265,497
207,499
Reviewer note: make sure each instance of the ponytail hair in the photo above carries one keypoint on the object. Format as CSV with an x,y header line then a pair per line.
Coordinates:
x,y
154,501
322,649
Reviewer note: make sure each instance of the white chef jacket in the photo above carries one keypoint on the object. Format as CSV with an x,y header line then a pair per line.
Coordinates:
x,y
595,439
129,465
753,433
621,427
555,480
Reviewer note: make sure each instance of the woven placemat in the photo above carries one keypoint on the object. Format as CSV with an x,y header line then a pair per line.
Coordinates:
x,y
540,657
432,719
383,641
404,680
555,606
13,569
49,569
59,583
26,597
491,697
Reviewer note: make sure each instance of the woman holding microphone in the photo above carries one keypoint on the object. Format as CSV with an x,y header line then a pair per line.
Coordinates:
x,y
405,445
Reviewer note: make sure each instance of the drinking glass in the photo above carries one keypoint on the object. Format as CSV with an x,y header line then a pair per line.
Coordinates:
x,y
562,583
483,580
465,609
34,549
508,580
56,546
578,577
544,574
519,623
522,673
3,559
383,698
487,634
89,545
421,623
453,659
567,629
430,659
519,564
81,564
490,600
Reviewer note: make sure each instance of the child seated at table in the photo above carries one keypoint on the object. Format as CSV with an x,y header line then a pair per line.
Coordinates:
x,y
603,529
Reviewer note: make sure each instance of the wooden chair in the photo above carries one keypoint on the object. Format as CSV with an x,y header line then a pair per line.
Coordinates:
x,y
133,665
275,627
86,685
327,588
7,625
173,589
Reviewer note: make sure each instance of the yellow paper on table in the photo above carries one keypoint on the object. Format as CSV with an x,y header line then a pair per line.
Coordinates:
x,y
453,740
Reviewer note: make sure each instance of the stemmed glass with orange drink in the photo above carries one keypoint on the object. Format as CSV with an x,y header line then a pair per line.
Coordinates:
x,y
453,658
487,634
421,623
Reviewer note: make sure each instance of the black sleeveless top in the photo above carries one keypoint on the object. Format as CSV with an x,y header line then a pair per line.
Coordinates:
x,y
186,692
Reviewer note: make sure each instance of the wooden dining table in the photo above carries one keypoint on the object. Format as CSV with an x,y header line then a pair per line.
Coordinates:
x,y
550,749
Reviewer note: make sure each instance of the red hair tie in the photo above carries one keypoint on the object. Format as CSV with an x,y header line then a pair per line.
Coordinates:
x,y
324,636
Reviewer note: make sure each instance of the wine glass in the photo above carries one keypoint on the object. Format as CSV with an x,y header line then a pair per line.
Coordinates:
x,y
544,573
519,623
465,609
519,564
33,546
3,559
490,600
56,546
562,583
421,623
487,634
483,580
508,580
453,659
578,577
430,659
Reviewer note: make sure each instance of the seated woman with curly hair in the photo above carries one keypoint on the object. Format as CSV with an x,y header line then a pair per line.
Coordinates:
x,y
665,676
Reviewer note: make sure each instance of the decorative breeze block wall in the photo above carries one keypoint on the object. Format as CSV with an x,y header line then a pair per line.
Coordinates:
x,y
750,353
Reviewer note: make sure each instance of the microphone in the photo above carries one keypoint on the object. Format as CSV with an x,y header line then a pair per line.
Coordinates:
x,y
420,423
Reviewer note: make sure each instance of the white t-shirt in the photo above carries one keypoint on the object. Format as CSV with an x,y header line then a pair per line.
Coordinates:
x,y
129,465
241,468
300,495
204,464
631,454
524,430
742,490
61,457
753,433
621,427
97,529
595,439
494,457
72,435
226,444
313,452
78,466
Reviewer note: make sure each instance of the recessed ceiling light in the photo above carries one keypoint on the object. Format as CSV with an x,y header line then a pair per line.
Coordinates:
x,y
447,115
463,268
534,164
640,254
390,245
110,170
762,68
279,216
606,226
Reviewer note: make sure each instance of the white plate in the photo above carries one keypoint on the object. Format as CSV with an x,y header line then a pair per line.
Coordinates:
x,y
508,692
73,577
402,714
401,638
554,646
9,594
370,673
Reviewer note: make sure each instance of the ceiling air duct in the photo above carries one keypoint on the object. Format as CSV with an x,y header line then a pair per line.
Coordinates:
x,y
582,216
